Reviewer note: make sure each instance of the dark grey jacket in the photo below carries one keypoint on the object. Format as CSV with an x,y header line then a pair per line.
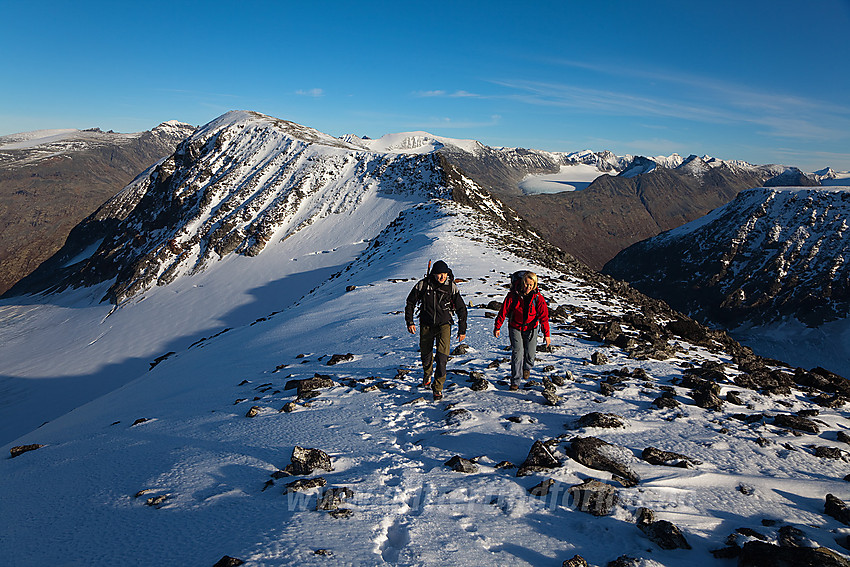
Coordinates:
x,y
437,303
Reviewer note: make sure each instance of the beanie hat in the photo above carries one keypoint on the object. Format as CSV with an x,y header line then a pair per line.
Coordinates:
x,y
440,267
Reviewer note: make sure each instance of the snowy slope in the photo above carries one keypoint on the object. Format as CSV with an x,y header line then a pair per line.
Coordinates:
x,y
166,466
212,463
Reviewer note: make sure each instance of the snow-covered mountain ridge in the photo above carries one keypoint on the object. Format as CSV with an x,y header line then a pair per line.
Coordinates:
x,y
771,256
26,148
232,186
218,375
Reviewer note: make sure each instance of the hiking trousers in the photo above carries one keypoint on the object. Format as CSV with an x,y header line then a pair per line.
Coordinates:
x,y
440,334
523,351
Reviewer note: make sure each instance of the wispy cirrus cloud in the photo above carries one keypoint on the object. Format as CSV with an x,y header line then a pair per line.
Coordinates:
x,y
315,93
446,94
445,123
696,98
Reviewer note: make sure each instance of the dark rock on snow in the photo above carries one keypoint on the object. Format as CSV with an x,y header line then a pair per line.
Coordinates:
x,y
601,420
837,508
666,458
333,497
762,554
661,532
594,497
459,464
600,455
21,449
305,461
539,458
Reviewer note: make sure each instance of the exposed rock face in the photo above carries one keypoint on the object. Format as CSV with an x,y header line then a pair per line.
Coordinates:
x,y
663,533
601,455
762,554
539,458
594,497
768,254
49,187
305,461
21,449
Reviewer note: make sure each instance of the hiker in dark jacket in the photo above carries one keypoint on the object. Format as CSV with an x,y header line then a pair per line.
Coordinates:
x,y
438,296
525,309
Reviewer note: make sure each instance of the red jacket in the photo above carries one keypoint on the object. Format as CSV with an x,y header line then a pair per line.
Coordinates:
x,y
524,315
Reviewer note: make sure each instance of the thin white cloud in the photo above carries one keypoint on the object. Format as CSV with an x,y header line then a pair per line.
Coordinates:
x,y
709,101
446,94
316,93
449,123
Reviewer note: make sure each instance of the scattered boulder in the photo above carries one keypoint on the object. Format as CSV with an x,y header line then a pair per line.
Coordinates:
x,y
341,513
305,484
21,449
479,384
460,349
305,461
156,500
837,508
459,464
829,453
600,455
763,554
337,358
661,532
734,398
790,536
227,561
576,561
539,458
306,385
706,397
333,497
843,437
796,422
594,497
459,416
598,358
541,489
666,401
288,407
625,561
254,411
658,457
551,397
601,420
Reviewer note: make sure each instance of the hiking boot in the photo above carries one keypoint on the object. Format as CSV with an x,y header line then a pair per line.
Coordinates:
x,y
514,388
526,374
438,396
426,382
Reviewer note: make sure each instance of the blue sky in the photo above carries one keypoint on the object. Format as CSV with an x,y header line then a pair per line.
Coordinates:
x,y
761,81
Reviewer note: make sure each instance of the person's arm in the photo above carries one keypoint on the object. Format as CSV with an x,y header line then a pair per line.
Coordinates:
x,y
460,308
544,319
410,306
503,312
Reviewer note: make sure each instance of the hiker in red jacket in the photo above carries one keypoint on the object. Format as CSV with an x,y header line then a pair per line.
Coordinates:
x,y
525,309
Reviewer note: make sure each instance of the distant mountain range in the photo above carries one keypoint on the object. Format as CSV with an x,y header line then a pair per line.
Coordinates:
x,y
771,258
50,180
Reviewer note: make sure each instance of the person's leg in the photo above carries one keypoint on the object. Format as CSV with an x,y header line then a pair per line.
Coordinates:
x,y
426,349
529,339
517,355
444,337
